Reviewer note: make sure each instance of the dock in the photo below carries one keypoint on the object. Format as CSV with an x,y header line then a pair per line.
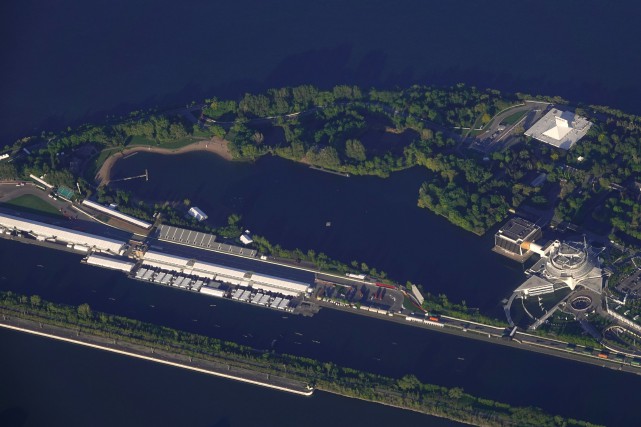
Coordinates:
x,y
318,168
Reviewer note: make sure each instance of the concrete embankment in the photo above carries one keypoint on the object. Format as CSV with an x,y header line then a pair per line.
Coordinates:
x,y
218,369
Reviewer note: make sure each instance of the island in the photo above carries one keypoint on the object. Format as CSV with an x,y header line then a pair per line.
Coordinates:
x,y
562,176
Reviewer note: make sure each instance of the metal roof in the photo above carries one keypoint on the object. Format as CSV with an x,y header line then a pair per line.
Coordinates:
x,y
518,229
199,239
59,233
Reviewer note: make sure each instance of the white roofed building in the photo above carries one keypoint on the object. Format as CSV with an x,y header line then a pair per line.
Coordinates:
x,y
226,274
110,211
42,231
197,213
561,129
108,262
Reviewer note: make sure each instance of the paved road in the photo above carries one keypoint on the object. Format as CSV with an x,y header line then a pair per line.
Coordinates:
x,y
491,334
9,191
485,142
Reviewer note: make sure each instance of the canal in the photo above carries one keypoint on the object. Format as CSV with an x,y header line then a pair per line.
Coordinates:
x,y
495,372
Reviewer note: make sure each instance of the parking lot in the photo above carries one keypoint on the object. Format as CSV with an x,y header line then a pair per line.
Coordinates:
x,y
368,295
631,285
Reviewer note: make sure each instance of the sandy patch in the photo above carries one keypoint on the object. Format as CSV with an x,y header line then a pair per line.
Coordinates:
x,y
214,145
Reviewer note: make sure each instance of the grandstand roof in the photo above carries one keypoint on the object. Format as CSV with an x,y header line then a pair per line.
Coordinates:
x,y
68,236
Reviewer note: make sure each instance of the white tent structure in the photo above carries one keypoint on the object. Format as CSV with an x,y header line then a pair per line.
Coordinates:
x,y
561,128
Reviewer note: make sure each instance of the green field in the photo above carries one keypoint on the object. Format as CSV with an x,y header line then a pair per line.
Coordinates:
x,y
142,141
34,204
514,118
96,162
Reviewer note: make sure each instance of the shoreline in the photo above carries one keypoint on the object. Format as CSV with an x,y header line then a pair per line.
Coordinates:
x,y
391,405
214,145
168,358
548,346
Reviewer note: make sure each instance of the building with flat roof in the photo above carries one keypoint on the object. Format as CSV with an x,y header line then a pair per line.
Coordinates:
x,y
224,273
110,211
514,239
199,239
42,231
197,213
110,262
561,129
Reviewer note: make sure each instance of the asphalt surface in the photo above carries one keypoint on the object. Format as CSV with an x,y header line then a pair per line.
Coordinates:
x,y
495,335
485,142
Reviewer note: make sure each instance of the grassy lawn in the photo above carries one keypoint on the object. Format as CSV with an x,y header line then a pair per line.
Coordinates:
x,y
33,204
409,305
142,141
95,164
202,133
514,118
178,143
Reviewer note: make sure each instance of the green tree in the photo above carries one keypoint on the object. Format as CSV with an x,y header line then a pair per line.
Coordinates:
x,y
84,311
354,149
233,219
35,300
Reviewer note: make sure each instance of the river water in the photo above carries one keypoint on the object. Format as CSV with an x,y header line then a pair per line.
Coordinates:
x,y
495,372
70,61
137,393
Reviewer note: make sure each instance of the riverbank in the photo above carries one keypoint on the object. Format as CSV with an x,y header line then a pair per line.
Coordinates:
x,y
214,145
154,355
464,328
549,346
163,344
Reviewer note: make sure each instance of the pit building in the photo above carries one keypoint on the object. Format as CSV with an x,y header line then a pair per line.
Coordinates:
x,y
231,275
83,242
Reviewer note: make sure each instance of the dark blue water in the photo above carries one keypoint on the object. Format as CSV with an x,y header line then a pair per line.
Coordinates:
x,y
495,372
70,60
66,385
